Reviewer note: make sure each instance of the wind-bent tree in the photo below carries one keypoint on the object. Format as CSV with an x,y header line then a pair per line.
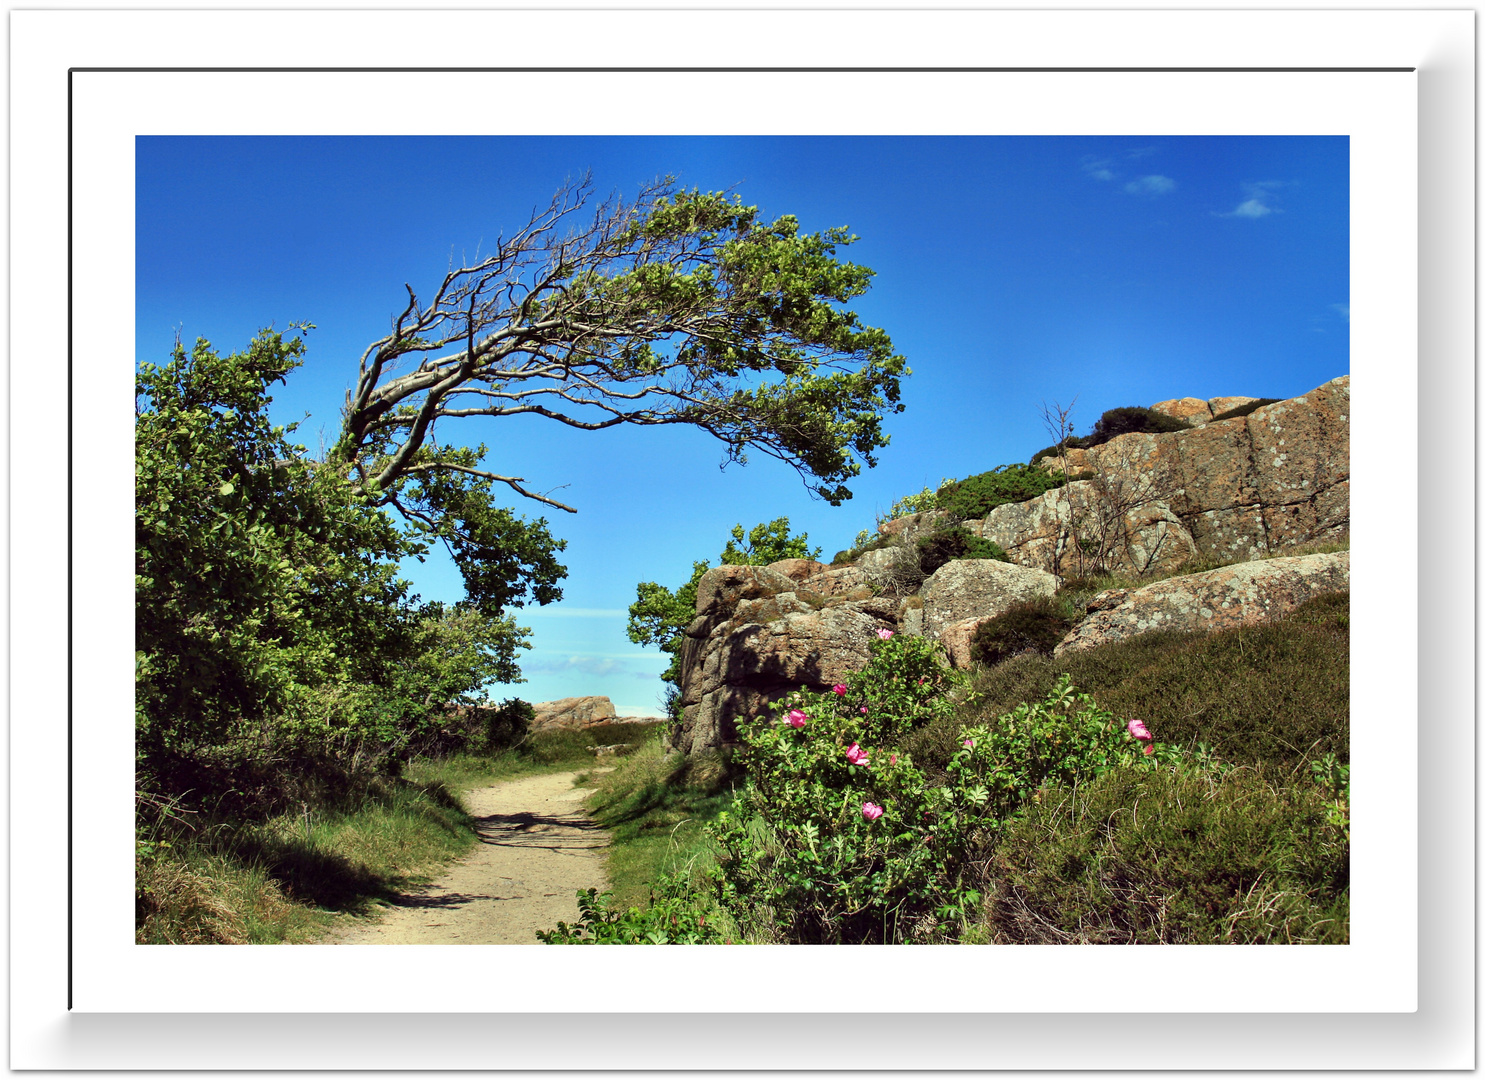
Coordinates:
x,y
677,308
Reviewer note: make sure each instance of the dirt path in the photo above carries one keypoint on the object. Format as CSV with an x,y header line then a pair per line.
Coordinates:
x,y
538,848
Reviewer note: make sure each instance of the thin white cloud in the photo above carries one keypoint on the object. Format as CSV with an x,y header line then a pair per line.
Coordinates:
x,y
1343,310
573,613
1259,200
1154,184
597,665
1099,168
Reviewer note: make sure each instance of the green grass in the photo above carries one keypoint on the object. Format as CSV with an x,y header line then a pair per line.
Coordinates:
x,y
287,877
657,806
284,879
1187,856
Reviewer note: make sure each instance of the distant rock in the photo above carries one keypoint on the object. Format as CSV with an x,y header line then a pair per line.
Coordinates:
x,y
572,712
1242,595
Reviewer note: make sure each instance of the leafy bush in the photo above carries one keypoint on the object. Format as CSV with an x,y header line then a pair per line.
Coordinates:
x,y
1131,419
955,542
1244,410
507,725
674,917
1113,423
1033,626
975,496
1188,855
839,837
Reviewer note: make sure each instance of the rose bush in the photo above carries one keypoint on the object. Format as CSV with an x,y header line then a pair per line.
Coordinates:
x,y
838,837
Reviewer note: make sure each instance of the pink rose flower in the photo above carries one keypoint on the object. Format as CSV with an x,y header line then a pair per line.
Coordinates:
x,y
796,718
863,710
884,634
870,811
857,756
892,759
969,744
839,689
1139,731
1149,750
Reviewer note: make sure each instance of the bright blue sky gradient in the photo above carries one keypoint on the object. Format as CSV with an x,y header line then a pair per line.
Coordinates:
x,y
1010,271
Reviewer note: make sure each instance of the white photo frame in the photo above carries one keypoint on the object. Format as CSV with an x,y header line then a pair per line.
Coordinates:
x,y
1376,109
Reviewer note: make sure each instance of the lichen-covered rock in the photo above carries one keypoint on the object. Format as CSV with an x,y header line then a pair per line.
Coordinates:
x,y
572,712
978,588
800,570
910,525
1241,595
836,581
1190,409
958,638
1241,488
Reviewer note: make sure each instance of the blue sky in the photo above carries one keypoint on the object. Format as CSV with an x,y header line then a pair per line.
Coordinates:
x,y
1009,272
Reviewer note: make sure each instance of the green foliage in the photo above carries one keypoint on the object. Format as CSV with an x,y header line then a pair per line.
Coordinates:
x,y
975,496
1244,410
509,725
838,837
766,543
1188,855
680,307
271,626
1033,626
658,617
672,917
1116,422
955,542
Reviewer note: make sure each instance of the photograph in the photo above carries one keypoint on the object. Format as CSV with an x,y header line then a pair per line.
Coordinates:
x,y
742,539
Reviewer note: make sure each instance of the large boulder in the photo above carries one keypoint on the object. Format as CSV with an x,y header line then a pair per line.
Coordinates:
x,y
760,634
572,712
978,589
1241,595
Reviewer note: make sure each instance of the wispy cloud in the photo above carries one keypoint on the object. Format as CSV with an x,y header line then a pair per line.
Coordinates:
x,y
1150,185
573,613
597,665
1343,310
1099,168
1259,202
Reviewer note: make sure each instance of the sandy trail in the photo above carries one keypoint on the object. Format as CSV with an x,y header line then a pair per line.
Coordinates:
x,y
538,847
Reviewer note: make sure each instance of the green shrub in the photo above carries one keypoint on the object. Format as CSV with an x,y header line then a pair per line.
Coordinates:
x,y
1033,626
1132,419
677,916
1115,422
838,837
955,542
1244,410
508,725
1186,855
975,496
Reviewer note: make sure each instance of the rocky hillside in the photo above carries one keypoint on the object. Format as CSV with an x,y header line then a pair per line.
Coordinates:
x,y
1141,505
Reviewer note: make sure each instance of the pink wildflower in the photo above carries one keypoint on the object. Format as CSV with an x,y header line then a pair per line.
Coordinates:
x,y
863,710
1149,750
892,759
796,718
1139,731
923,680
839,689
969,744
870,811
857,756
884,634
